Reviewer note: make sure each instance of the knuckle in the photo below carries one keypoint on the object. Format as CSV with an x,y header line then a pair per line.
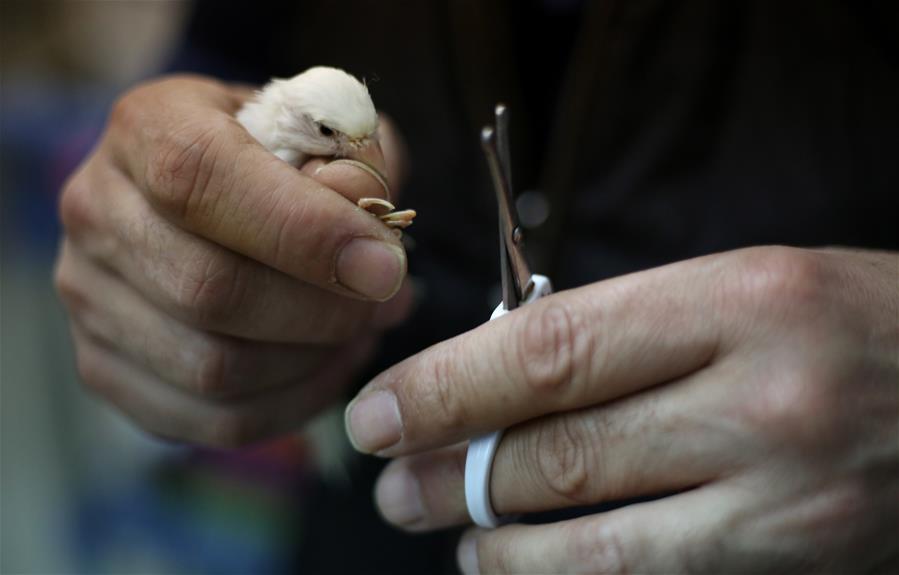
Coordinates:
x,y
89,365
779,402
561,450
211,289
786,278
599,550
76,204
551,348
223,365
68,289
442,401
182,169
499,556
800,405
496,555
211,368
126,111
304,221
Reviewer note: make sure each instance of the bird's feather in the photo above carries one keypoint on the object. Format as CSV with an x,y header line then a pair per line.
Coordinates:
x,y
322,111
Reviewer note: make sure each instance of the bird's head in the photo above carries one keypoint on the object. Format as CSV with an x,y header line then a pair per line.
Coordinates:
x,y
326,112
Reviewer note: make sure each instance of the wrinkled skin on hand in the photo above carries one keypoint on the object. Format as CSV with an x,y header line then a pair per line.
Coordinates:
x,y
756,392
216,294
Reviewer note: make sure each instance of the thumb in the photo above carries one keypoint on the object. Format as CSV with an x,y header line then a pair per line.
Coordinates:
x,y
351,178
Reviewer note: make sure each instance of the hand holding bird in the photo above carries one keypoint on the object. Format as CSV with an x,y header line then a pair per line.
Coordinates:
x,y
218,295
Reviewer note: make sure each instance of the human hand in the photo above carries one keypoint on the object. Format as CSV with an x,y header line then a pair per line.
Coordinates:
x,y
756,391
217,294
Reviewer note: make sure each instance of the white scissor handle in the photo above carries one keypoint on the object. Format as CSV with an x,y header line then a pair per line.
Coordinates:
x,y
479,459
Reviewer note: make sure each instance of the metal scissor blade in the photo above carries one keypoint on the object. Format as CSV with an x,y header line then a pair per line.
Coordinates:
x,y
501,115
511,296
516,274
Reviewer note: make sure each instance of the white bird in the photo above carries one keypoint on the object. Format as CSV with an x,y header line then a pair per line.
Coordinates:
x,y
322,112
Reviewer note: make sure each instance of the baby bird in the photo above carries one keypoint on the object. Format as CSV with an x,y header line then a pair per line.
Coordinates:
x,y
322,112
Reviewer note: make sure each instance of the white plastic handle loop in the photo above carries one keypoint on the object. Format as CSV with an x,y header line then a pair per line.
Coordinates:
x,y
482,449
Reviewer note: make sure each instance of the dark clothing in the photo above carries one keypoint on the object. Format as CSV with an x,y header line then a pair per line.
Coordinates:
x,y
659,129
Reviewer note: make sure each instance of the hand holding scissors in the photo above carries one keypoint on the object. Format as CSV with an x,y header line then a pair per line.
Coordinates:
x,y
751,394
520,287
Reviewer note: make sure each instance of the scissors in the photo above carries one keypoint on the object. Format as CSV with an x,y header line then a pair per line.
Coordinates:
x,y
520,287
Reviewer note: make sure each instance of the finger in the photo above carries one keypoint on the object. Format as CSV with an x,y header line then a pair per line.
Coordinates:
x,y
196,165
200,362
196,281
565,351
169,412
656,442
424,491
677,534
350,180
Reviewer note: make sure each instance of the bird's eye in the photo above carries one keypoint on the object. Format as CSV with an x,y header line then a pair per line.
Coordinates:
x,y
325,131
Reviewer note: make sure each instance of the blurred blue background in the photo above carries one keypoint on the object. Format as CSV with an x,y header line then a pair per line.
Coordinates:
x,y
82,490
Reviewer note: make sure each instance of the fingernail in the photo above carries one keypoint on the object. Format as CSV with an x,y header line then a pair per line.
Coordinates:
x,y
373,421
346,168
325,167
398,496
467,555
371,267
313,166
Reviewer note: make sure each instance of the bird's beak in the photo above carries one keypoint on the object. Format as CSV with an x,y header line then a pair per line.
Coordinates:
x,y
368,151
